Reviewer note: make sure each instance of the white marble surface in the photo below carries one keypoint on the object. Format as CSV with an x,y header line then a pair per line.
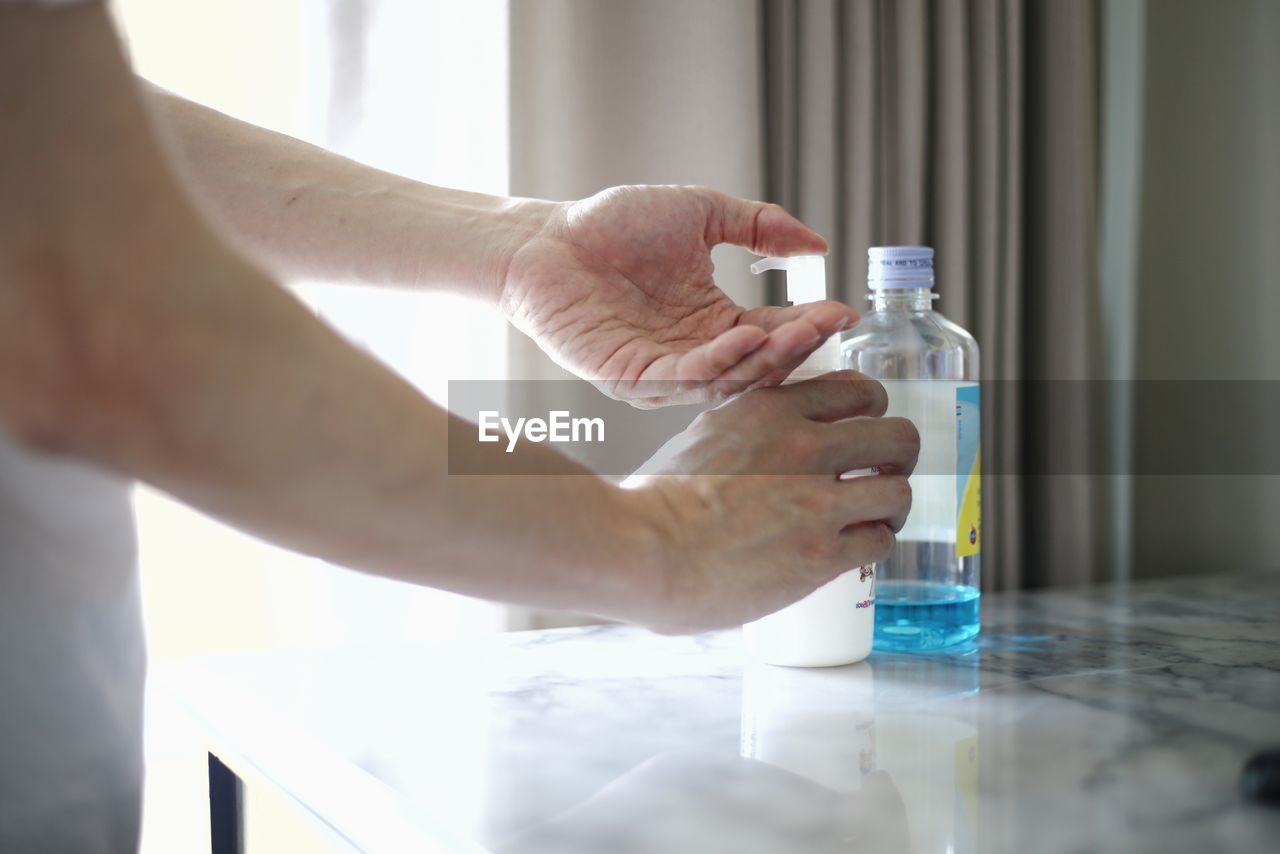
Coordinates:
x,y
1101,720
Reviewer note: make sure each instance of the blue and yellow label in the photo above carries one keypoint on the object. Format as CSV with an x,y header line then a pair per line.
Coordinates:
x,y
968,470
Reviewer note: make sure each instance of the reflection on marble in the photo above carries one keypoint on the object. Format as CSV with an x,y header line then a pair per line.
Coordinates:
x,y
1099,720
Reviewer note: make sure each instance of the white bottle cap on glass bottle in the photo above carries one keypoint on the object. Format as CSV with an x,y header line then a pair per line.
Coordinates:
x,y
899,267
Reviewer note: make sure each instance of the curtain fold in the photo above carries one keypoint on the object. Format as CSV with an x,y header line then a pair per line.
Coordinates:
x,y
970,127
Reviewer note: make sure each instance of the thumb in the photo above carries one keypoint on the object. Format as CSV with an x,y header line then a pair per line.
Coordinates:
x,y
765,229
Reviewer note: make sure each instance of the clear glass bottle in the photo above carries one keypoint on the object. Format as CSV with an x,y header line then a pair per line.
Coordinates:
x,y
927,591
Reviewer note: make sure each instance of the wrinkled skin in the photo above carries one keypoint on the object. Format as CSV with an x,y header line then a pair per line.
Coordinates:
x,y
618,288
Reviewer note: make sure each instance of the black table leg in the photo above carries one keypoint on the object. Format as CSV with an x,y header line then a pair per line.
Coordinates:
x,y
226,823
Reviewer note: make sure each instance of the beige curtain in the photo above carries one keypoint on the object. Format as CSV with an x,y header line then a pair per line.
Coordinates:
x,y
970,127
607,92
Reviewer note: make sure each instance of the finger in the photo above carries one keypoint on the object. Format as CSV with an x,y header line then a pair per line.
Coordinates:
x,y
672,377
827,316
875,498
837,395
784,349
710,392
746,358
708,361
789,343
763,228
892,444
866,543
654,395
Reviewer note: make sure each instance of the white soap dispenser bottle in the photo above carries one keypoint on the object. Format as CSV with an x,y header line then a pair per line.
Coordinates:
x,y
834,624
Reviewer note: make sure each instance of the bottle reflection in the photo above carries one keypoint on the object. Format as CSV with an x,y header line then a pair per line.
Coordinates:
x,y
933,760
860,732
848,759
816,723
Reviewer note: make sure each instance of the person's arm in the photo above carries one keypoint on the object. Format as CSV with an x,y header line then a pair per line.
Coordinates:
x,y
617,288
307,213
131,337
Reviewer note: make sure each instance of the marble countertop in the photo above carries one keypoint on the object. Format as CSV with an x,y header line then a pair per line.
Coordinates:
x,y
1107,719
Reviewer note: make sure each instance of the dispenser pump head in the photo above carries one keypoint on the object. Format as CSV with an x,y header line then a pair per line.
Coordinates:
x,y
807,282
806,276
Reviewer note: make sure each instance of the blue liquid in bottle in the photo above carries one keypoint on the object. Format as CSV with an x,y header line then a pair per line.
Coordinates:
x,y
912,616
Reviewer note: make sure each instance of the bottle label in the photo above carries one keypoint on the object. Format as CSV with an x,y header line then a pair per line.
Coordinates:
x,y
946,503
968,470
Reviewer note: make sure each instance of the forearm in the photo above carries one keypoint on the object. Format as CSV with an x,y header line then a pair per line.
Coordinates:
x,y
129,336
295,435
310,214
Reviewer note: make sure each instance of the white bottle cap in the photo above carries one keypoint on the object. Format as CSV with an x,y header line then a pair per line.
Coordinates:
x,y
899,267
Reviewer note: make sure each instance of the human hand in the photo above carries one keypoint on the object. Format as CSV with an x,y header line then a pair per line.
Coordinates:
x,y
618,288
756,516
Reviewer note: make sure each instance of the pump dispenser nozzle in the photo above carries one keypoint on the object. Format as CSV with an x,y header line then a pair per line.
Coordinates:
x,y
806,282
806,276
